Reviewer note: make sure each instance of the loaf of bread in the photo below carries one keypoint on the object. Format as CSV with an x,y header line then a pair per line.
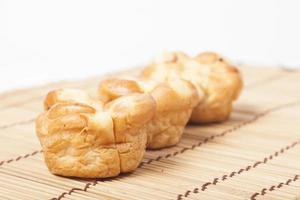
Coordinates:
x,y
80,137
220,81
175,99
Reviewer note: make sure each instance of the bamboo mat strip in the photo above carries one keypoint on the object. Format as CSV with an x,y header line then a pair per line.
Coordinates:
x,y
269,100
225,177
264,191
267,178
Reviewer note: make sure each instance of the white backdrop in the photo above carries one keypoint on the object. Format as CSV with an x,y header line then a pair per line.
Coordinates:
x,y
42,41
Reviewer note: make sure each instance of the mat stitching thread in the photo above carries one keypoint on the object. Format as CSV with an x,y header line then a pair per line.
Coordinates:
x,y
258,116
241,170
20,157
88,185
274,187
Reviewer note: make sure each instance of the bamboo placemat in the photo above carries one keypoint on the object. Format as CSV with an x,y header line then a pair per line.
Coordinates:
x,y
254,155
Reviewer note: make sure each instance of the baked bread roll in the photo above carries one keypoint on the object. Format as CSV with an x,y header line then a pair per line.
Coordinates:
x,y
220,81
175,100
82,138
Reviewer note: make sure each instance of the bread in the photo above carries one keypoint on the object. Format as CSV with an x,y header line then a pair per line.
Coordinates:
x,y
175,100
96,138
220,81
82,138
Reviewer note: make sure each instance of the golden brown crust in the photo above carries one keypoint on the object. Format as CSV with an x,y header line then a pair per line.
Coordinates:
x,y
176,94
210,73
110,89
130,113
74,145
82,141
69,95
174,99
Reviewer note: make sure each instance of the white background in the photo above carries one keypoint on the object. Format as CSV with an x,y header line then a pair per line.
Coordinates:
x,y
42,41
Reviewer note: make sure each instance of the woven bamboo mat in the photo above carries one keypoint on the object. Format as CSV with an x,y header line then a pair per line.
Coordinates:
x,y
254,155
